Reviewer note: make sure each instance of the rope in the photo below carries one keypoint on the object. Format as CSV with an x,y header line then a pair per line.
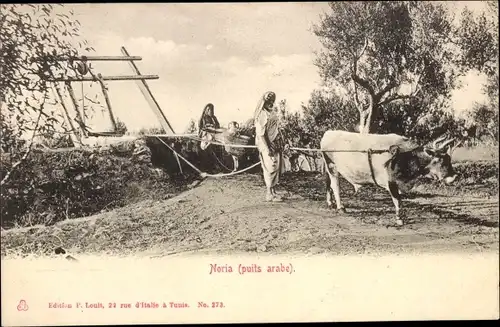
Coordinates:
x,y
233,173
203,174
171,135
254,146
190,164
321,150
229,144
220,162
371,166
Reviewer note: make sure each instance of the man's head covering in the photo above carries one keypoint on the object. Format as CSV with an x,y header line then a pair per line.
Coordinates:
x,y
266,97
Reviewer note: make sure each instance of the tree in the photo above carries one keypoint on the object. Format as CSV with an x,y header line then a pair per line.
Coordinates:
x,y
294,134
191,127
477,36
478,42
326,111
151,130
32,36
121,128
383,52
290,125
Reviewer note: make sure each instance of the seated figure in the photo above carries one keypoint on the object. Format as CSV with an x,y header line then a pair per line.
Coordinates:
x,y
210,131
207,124
233,135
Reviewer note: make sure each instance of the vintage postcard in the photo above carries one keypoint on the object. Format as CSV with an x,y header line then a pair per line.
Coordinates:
x,y
249,162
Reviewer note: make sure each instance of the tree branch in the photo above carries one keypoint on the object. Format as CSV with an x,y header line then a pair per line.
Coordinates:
x,y
356,96
398,97
364,83
392,84
28,150
365,44
354,73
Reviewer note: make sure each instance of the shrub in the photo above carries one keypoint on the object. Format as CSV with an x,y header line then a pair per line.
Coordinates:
x,y
52,186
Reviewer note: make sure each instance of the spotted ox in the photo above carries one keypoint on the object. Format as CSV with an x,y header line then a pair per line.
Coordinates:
x,y
390,161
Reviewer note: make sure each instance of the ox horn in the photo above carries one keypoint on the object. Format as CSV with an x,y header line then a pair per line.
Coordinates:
x,y
445,144
439,139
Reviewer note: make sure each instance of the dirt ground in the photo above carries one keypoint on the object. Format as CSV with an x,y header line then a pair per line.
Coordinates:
x,y
228,215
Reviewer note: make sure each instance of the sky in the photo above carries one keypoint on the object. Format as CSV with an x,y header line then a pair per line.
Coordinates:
x,y
228,54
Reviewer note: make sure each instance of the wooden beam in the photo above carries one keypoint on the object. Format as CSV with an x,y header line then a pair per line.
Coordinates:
x,y
103,134
75,136
106,97
104,78
77,109
143,86
90,58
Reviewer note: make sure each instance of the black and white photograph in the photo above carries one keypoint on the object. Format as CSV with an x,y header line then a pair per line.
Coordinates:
x,y
249,162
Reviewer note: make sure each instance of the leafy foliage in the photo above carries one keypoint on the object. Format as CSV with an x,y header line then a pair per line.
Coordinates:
x,y
53,186
191,127
478,42
151,130
32,36
395,65
327,111
383,52
121,128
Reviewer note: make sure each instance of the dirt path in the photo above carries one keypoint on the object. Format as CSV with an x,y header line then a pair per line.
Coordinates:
x,y
228,215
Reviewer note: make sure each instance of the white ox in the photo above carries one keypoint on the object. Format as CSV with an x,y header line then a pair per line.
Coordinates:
x,y
394,163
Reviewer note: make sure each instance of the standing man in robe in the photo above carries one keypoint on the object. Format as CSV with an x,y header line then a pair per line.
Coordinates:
x,y
269,143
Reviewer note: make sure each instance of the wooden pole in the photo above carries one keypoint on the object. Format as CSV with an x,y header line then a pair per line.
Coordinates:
x,y
83,104
143,86
77,110
104,78
108,102
68,117
90,58
145,90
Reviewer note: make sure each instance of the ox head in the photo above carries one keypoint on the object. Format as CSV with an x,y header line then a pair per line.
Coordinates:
x,y
439,165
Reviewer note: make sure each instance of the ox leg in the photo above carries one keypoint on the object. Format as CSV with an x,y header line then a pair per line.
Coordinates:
x,y
328,189
335,187
396,199
235,163
328,179
336,191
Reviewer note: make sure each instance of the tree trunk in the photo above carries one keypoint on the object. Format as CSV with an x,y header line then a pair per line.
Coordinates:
x,y
367,117
374,119
363,116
